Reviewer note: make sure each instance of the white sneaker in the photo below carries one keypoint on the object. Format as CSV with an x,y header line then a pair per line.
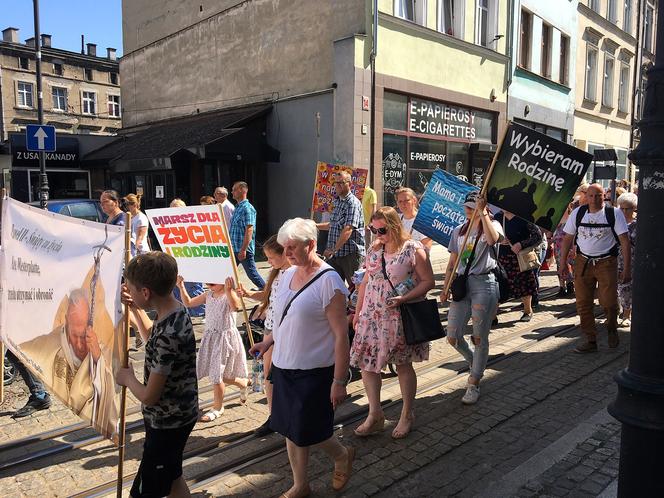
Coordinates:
x,y
471,396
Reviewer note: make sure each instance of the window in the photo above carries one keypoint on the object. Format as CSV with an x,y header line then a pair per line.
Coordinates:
x,y
59,99
482,22
612,11
24,94
607,84
411,10
594,5
88,74
89,101
545,61
450,17
642,96
590,88
23,63
114,106
627,16
524,41
564,60
113,78
647,29
57,69
623,88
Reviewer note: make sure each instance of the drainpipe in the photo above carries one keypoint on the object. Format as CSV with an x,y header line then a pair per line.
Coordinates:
x,y
372,58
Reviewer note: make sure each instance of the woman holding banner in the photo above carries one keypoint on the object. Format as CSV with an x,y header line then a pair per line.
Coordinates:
x,y
481,299
407,204
519,234
310,357
379,337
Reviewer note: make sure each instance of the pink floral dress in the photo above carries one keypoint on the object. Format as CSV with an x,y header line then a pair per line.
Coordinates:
x,y
379,338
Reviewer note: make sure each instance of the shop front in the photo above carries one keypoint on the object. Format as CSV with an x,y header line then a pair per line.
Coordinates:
x,y
421,136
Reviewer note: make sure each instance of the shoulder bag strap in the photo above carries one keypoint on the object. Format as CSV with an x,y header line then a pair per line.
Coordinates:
x,y
384,268
316,277
471,258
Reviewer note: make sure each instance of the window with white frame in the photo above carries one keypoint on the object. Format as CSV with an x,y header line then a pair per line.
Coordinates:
x,y
623,88
612,10
607,82
89,102
486,22
627,16
590,86
114,106
451,17
525,39
563,77
59,95
648,28
621,165
545,60
24,94
594,5
411,10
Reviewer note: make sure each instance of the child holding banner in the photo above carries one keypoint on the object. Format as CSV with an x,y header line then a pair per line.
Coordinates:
x,y
221,356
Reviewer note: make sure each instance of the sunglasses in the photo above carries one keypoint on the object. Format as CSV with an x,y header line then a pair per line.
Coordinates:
x,y
379,231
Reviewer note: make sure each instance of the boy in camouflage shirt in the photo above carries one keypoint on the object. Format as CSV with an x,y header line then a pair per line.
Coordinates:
x,y
169,394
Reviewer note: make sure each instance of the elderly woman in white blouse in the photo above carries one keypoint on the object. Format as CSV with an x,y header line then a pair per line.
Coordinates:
x,y
310,356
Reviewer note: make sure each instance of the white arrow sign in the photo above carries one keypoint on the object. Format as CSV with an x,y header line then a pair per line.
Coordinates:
x,y
40,136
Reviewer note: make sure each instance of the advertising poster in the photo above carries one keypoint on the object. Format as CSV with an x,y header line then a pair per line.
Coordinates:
x,y
60,310
441,208
536,176
324,193
195,237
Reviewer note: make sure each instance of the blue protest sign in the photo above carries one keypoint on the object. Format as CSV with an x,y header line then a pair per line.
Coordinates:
x,y
441,207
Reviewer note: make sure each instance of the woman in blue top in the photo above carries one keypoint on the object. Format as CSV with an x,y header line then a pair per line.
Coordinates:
x,y
110,205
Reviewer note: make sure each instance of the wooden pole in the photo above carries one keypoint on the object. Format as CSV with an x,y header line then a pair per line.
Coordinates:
x,y
2,344
125,364
487,178
313,196
237,277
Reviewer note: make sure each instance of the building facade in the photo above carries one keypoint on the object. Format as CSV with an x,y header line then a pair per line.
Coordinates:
x,y
441,69
81,99
542,84
615,44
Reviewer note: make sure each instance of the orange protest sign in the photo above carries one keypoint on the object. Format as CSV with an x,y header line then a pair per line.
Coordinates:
x,y
324,187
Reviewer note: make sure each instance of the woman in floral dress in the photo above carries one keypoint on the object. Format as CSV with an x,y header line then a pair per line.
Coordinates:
x,y
379,337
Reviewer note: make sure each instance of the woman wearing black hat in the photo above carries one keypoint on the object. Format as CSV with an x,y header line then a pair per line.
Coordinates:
x,y
482,294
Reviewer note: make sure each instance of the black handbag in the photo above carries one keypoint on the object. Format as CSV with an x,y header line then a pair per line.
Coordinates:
x,y
459,286
420,319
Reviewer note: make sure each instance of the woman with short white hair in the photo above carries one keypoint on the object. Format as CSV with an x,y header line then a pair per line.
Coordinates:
x,y
627,203
310,356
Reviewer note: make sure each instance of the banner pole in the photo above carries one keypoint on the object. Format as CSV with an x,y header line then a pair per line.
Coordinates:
x,y
487,178
3,193
237,277
125,364
313,195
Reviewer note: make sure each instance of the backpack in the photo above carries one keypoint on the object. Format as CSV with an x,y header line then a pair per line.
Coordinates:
x,y
610,223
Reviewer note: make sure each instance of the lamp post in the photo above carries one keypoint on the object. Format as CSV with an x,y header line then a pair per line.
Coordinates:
x,y
639,404
43,179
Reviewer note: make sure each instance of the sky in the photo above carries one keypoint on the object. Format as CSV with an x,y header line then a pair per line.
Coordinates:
x,y
66,20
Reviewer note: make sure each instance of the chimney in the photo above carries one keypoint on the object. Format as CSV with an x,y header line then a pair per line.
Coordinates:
x,y
10,35
30,42
46,41
92,49
110,53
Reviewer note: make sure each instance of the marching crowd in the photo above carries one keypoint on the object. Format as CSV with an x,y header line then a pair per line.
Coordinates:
x,y
326,312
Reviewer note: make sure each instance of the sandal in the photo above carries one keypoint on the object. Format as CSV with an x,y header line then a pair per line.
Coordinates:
x,y
212,415
377,426
402,434
286,494
244,392
340,477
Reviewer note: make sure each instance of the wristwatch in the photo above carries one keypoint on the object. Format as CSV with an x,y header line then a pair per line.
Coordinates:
x,y
338,382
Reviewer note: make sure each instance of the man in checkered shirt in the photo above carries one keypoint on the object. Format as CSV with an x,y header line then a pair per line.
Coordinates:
x,y
345,243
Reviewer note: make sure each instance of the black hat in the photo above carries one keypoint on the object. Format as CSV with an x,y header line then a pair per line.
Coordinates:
x,y
471,198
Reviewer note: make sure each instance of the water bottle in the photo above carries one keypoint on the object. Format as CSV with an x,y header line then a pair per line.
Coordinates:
x,y
404,287
257,374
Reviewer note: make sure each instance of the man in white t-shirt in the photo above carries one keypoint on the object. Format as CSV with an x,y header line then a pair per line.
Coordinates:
x,y
599,231
221,196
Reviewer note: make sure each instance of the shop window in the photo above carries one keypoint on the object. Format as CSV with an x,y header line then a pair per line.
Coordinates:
x,y
590,87
394,166
525,39
395,111
24,94
451,17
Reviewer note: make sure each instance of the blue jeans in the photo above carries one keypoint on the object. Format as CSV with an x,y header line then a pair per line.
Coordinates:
x,y
250,269
480,303
36,387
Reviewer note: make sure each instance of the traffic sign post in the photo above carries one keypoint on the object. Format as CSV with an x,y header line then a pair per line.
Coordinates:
x,y
40,134
40,138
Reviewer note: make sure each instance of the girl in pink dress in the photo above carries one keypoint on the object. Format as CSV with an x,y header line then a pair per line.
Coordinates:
x,y
379,337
